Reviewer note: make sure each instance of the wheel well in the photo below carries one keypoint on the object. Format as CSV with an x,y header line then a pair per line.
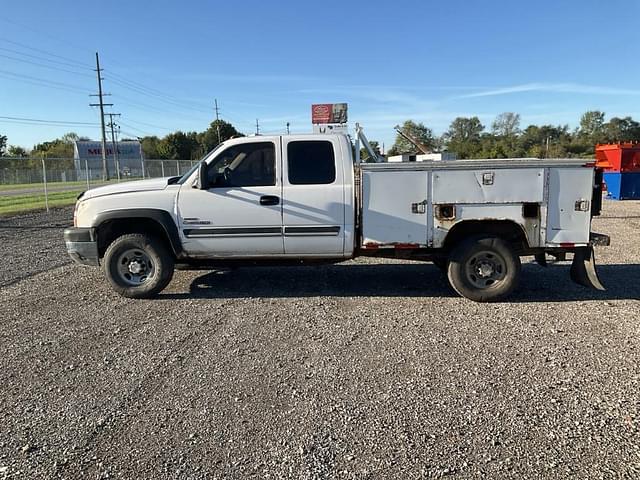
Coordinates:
x,y
109,230
505,229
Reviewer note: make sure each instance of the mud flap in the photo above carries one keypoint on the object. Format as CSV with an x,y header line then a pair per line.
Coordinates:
x,y
583,268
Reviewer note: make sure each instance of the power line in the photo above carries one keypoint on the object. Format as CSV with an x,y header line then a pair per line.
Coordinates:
x,y
52,67
144,132
163,98
148,124
116,78
38,57
154,109
50,122
43,82
37,84
161,108
13,42
157,94
129,134
151,90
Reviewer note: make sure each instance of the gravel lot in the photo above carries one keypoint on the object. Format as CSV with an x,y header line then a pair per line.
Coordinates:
x,y
361,370
32,243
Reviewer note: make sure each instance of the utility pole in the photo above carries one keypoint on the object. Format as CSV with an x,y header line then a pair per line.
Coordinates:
x,y
141,156
114,144
288,128
257,127
101,104
217,121
547,152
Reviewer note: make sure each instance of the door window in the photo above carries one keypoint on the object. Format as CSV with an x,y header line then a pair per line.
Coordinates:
x,y
311,162
245,165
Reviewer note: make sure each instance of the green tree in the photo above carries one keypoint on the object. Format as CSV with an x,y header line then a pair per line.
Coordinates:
x,y
534,140
54,149
506,128
590,132
178,145
209,138
16,151
3,144
417,131
621,130
463,137
592,128
149,146
71,137
59,148
506,124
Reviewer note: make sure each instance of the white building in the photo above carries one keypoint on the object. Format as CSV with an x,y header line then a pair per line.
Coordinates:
x,y
88,154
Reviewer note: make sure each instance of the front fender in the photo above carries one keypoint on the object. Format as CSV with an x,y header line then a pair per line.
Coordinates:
x,y
162,217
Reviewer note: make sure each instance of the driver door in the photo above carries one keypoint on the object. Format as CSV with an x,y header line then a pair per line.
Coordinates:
x,y
238,212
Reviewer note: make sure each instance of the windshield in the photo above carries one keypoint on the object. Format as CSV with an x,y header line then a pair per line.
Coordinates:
x,y
184,177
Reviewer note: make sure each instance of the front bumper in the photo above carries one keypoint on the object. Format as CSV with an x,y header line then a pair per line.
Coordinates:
x,y
82,245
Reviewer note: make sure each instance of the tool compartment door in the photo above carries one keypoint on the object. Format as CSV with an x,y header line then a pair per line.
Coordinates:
x,y
394,207
490,185
565,223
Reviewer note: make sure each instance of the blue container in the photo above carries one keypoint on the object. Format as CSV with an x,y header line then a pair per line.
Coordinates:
x,y
623,186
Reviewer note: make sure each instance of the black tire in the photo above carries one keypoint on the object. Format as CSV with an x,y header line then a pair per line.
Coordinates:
x,y
484,269
138,265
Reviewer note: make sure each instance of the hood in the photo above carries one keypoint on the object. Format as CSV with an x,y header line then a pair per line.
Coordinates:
x,y
128,187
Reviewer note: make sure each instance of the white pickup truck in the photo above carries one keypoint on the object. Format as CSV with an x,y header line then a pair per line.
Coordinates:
x,y
306,199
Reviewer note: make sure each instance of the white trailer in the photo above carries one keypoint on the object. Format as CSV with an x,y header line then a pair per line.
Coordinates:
x,y
296,199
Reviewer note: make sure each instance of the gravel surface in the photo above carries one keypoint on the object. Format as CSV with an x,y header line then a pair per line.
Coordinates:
x,y
32,243
368,369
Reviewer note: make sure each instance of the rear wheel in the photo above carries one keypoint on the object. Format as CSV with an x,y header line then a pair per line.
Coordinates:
x,y
138,265
484,269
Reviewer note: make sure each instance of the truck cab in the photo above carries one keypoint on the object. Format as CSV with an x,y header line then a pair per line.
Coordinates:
x,y
276,196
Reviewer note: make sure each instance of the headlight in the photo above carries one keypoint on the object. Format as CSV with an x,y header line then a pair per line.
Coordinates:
x,y
80,204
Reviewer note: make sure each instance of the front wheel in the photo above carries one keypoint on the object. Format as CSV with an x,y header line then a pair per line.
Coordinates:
x,y
138,266
484,269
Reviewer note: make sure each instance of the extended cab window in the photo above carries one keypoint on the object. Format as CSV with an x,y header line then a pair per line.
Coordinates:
x,y
244,165
311,162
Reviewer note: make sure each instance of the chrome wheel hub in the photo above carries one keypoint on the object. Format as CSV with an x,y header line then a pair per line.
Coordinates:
x,y
135,267
485,269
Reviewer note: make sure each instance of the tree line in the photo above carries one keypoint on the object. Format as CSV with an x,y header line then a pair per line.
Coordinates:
x,y
466,136
175,146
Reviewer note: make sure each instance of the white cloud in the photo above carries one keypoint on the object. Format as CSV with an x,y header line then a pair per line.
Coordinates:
x,y
574,88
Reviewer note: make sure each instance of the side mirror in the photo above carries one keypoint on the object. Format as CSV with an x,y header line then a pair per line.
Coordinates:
x,y
201,181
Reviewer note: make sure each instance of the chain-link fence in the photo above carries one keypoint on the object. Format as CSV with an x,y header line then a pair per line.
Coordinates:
x,y
51,177
28,170
167,168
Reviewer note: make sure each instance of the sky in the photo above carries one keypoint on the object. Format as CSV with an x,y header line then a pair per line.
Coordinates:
x,y
430,61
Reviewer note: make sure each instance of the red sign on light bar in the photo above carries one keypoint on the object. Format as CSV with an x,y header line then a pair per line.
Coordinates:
x,y
329,113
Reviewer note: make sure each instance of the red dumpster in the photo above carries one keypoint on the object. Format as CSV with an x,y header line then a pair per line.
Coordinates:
x,y
618,157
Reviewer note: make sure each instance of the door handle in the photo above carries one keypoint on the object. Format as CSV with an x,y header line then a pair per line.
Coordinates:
x,y
269,200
